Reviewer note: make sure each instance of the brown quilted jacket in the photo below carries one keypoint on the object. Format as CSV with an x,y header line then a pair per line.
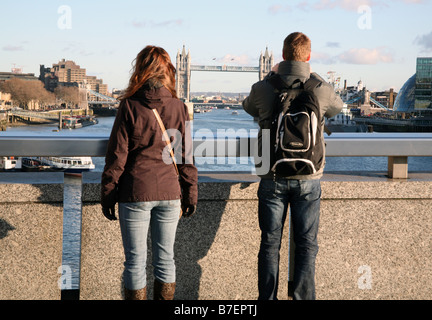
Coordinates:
x,y
135,168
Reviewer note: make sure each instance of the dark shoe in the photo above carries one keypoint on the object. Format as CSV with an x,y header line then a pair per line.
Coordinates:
x,y
164,291
140,294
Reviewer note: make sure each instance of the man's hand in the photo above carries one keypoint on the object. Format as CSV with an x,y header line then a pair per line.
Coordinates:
x,y
109,213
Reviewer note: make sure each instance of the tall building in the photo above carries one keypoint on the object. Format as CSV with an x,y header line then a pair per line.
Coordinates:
x,y
68,73
423,84
416,93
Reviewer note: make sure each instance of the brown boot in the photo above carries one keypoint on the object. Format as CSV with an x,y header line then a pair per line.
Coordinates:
x,y
140,294
164,291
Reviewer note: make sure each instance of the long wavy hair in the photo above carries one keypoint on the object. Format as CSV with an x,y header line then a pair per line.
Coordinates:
x,y
152,63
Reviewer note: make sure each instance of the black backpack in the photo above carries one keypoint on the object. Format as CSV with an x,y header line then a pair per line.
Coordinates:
x,y
296,130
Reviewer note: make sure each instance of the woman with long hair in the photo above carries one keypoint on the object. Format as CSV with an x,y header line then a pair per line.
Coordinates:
x,y
151,186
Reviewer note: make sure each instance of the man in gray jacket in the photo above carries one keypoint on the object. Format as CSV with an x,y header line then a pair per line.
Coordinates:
x,y
302,192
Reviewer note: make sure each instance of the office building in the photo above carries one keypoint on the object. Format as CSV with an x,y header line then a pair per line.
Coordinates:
x,y
68,73
423,84
416,93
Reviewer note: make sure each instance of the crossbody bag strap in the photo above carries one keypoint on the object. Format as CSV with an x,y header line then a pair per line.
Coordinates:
x,y
166,138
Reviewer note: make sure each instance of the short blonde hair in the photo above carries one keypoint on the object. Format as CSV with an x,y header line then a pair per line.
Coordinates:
x,y
297,47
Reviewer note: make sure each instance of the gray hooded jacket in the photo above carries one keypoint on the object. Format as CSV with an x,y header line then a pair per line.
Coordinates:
x,y
260,101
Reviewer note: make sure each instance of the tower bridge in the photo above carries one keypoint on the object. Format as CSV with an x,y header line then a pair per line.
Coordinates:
x,y
184,69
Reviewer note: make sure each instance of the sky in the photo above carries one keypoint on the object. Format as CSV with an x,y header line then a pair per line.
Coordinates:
x,y
375,41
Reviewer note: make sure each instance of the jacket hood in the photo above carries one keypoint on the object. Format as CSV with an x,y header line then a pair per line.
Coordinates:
x,y
293,70
151,94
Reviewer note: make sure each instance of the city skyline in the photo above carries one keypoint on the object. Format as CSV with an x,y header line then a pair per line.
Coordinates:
x,y
375,41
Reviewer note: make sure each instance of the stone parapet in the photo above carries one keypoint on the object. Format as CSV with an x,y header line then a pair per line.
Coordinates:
x,y
31,226
374,240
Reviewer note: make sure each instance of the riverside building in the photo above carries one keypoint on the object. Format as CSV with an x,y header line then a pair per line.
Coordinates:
x,y
423,84
68,73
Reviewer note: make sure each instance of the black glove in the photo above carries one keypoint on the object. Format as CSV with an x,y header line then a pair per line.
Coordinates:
x,y
109,213
188,210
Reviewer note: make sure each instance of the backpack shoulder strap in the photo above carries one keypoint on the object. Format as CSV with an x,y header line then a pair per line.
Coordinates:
x,y
275,80
312,83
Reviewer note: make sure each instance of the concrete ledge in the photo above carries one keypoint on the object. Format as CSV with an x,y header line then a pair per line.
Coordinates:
x,y
31,226
374,240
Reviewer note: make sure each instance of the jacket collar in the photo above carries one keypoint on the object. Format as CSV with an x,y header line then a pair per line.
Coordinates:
x,y
293,70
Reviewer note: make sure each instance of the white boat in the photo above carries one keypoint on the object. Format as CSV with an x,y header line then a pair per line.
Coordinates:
x,y
235,112
75,122
10,163
66,164
343,122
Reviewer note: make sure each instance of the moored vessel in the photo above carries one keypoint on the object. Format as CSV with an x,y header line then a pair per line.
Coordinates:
x,y
65,164
10,163
75,122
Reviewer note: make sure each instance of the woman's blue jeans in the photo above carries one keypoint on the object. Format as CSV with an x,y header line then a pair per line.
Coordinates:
x,y
303,198
135,219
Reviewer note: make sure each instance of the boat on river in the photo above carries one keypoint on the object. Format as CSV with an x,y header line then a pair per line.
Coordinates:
x,y
63,164
10,163
75,122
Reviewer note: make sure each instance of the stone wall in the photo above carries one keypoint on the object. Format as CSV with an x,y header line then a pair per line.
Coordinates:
x,y
375,241
31,225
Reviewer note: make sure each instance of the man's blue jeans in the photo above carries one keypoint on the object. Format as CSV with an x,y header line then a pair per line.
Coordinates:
x,y
303,198
135,219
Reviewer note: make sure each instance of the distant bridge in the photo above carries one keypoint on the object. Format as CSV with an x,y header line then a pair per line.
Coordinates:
x,y
104,99
224,68
53,115
354,100
357,98
379,104
218,104
47,115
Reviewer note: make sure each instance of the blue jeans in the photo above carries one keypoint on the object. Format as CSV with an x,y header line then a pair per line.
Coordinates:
x,y
135,219
303,197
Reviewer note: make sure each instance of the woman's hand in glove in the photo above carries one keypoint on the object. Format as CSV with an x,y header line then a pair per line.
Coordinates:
x,y
188,210
109,213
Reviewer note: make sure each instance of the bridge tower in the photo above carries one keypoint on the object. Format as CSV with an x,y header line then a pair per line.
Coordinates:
x,y
183,75
265,64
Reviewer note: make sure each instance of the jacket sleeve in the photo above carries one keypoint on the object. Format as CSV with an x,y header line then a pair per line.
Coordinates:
x,y
259,103
249,104
115,158
187,170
